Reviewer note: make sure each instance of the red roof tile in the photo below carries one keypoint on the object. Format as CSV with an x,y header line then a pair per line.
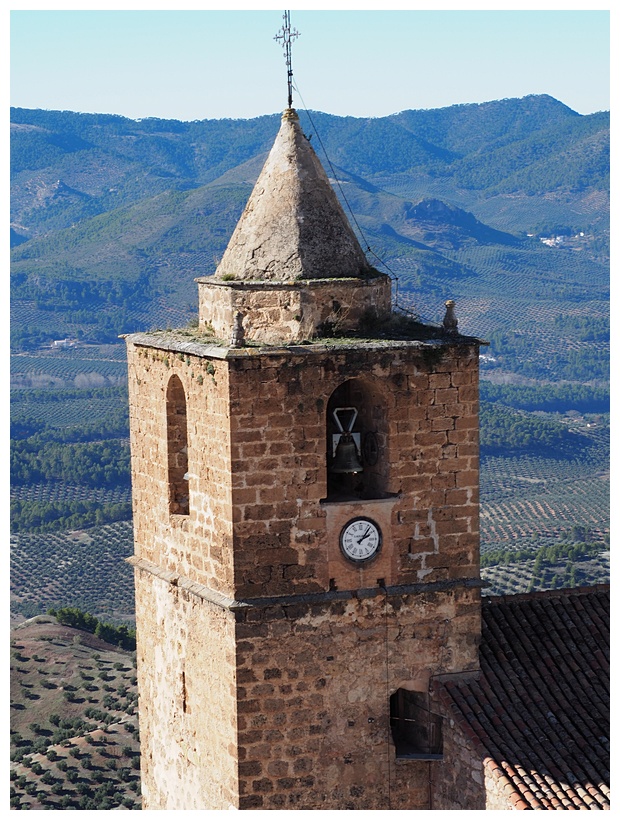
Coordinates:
x,y
539,713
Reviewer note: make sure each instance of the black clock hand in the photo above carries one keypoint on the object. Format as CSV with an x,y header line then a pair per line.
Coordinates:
x,y
365,536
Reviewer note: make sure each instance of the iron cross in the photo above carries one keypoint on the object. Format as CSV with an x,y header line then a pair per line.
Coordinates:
x,y
287,36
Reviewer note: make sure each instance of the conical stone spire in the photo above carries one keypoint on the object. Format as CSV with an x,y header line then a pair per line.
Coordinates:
x,y
293,226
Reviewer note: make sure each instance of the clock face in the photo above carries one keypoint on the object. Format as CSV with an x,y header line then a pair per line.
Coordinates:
x,y
360,539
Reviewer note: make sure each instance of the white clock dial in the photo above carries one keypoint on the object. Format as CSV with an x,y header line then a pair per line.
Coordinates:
x,y
360,539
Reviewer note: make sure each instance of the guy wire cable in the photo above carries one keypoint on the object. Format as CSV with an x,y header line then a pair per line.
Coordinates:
x,y
390,272
387,691
401,308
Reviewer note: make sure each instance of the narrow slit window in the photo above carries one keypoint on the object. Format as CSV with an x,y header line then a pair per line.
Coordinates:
x,y
417,732
178,482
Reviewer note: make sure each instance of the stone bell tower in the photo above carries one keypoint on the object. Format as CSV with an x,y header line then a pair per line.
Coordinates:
x,y
305,482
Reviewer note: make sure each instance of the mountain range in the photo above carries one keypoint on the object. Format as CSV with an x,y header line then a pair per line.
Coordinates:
x,y
115,217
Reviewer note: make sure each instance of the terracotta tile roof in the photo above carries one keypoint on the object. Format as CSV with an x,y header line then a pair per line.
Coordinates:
x,y
539,713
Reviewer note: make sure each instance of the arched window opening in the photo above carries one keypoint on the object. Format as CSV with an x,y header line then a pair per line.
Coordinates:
x,y
357,455
176,415
416,731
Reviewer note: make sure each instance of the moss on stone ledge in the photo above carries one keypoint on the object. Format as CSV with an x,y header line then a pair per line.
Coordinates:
x,y
397,328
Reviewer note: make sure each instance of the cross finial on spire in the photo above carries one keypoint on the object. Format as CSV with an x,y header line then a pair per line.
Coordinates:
x,y
287,36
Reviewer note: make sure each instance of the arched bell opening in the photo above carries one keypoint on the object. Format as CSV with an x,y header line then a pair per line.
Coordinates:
x,y
357,443
176,419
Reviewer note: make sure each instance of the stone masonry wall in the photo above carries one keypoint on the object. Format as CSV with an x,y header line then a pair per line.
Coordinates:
x,y
286,537
186,680
314,683
458,779
285,312
257,443
197,545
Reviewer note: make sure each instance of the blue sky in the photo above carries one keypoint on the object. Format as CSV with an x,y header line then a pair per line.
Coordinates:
x,y
210,64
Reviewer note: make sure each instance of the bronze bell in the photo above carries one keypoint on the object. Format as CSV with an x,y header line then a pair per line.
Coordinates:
x,y
346,459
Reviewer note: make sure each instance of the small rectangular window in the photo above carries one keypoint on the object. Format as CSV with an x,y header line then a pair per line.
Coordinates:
x,y
417,732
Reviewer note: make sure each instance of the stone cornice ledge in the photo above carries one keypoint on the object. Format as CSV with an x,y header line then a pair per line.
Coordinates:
x,y
295,284
214,351
186,584
225,602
